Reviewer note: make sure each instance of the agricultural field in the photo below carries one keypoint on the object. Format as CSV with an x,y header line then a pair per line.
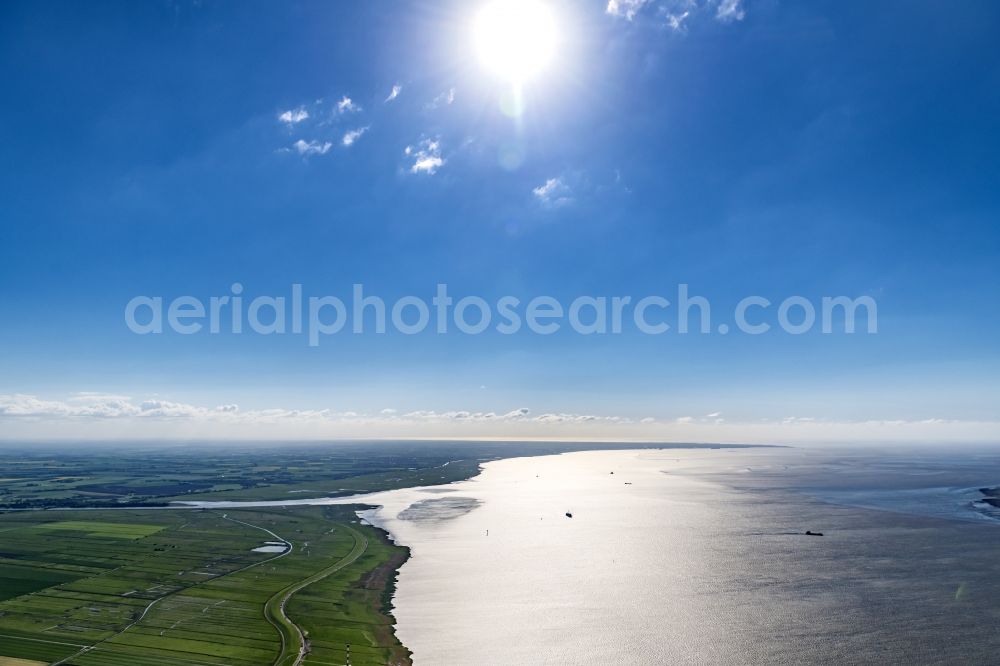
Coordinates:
x,y
113,477
40,478
186,588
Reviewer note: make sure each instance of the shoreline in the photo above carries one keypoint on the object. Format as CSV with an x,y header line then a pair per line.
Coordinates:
x,y
385,577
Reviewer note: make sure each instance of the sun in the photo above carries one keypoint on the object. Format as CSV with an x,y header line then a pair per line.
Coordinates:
x,y
516,39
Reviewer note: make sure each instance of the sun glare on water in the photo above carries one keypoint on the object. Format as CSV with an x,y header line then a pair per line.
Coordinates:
x,y
516,39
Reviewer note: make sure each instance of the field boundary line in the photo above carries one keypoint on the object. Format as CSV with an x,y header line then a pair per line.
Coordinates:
x,y
40,640
158,599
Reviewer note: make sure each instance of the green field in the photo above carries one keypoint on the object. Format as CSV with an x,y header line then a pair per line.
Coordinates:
x,y
184,588
98,529
17,579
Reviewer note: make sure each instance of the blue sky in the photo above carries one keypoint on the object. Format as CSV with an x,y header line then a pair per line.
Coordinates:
x,y
743,148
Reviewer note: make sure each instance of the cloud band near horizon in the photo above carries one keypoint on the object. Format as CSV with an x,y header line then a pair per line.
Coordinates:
x,y
93,416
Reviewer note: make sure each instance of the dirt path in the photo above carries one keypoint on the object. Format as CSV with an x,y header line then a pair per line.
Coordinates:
x,y
294,645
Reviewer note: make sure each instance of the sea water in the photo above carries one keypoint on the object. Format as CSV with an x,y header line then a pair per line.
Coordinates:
x,y
662,563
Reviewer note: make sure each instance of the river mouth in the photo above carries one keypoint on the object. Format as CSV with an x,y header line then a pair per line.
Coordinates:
x,y
712,546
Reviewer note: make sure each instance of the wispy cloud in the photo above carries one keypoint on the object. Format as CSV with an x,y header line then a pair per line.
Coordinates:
x,y
676,12
444,99
712,417
426,156
520,415
293,116
394,93
461,415
353,135
626,9
553,193
676,20
730,10
312,147
347,105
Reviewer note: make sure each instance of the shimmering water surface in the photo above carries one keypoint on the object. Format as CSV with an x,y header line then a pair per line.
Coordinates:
x,y
698,557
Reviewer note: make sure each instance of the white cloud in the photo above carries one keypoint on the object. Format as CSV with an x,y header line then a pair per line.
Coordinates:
x,y
91,405
426,156
730,10
578,418
293,116
394,93
102,406
521,415
101,416
312,147
676,21
444,99
346,105
676,12
169,409
711,418
553,193
353,135
22,405
84,406
626,9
